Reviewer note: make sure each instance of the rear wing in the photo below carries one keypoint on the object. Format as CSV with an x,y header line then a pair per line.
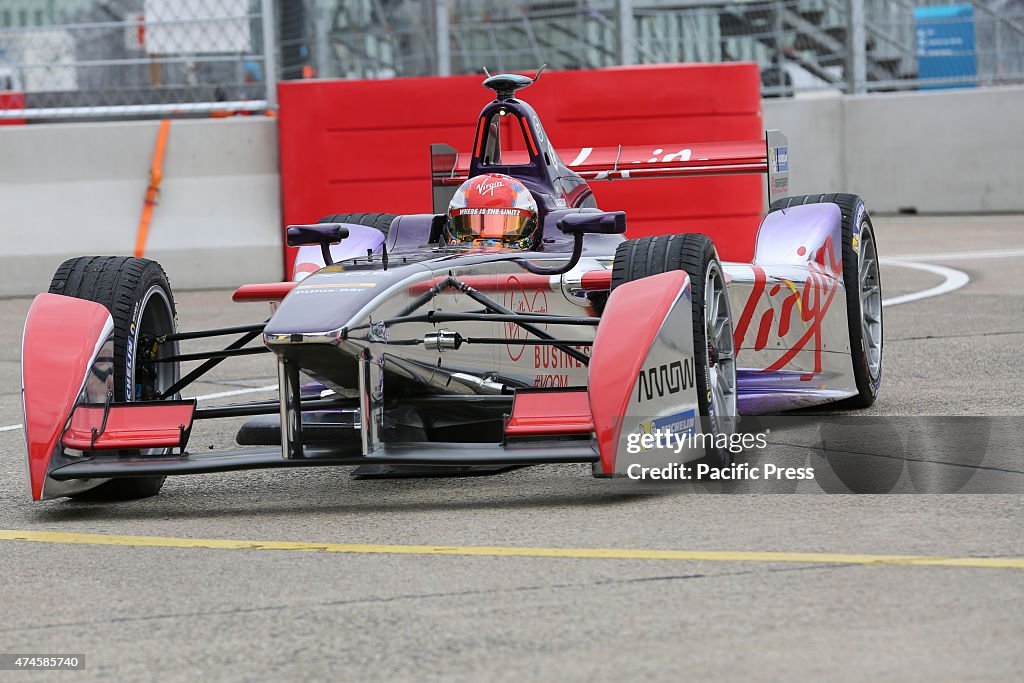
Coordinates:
x,y
449,168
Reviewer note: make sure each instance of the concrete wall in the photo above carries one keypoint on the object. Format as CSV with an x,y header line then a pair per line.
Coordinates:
x,y
951,151
77,189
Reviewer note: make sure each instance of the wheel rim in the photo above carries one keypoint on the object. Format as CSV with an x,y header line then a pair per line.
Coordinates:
x,y
721,356
156,321
870,302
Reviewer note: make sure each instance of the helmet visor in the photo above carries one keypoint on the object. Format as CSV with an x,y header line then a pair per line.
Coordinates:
x,y
505,224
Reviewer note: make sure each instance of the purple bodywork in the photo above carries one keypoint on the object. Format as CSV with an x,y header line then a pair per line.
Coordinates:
x,y
793,245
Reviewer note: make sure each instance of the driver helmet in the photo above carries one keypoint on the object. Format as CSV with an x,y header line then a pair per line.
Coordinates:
x,y
493,210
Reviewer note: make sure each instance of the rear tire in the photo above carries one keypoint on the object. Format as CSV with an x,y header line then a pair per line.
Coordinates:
x,y
863,291
138,296
381,221
713,351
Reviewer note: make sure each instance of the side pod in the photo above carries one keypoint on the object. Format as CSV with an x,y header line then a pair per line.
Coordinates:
x,y
67,353
641,372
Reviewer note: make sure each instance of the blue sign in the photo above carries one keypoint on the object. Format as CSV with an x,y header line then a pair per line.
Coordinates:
x,y
945,45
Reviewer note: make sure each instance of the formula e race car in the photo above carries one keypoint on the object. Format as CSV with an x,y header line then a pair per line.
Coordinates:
x,y
515,325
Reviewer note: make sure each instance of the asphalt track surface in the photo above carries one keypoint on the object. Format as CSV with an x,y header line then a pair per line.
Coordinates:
x,y
547,573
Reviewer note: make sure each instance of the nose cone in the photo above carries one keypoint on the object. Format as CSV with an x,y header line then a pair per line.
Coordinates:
x,y
334,298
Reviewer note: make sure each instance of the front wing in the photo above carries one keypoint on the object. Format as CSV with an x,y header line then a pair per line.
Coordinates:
x,y
78,438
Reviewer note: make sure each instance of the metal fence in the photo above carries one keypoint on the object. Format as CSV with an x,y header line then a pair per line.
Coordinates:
x,y
126,58
162,57
800,45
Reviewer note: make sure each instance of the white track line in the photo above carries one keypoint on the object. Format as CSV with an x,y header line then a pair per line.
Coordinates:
x,y
961,255
955,279
204,397
236,392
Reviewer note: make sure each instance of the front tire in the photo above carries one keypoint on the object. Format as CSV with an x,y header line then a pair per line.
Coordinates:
x,y
714,353
138,296
863,285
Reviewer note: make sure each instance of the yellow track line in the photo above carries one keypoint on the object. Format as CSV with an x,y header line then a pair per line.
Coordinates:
x,y
505,551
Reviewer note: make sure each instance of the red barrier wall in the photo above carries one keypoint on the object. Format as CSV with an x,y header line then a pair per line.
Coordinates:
x,y
12,100
351,146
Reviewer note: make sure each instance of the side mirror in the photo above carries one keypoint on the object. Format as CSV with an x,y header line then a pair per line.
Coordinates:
x,y
578,225
603,223
324,234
